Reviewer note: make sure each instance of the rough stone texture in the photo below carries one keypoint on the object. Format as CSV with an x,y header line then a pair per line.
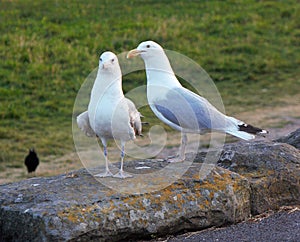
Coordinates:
x,y
292,139
273,170
80,208
250,178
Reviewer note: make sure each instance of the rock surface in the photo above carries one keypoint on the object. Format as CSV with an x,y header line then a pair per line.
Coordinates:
x,y
61,208
249,178
273,170
292,139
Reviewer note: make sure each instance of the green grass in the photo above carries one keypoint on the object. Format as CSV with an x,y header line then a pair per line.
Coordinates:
x,y
251,50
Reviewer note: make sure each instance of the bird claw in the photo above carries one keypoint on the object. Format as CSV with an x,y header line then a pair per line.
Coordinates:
x,y
107,173
122,175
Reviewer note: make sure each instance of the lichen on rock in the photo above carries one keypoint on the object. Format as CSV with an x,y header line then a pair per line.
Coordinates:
x,y
250,178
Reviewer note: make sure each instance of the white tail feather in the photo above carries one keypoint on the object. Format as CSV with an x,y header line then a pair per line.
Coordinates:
x,y
235,132
241,134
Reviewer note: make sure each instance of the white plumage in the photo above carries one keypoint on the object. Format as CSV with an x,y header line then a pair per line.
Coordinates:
x,y
180,108
110,115
83,123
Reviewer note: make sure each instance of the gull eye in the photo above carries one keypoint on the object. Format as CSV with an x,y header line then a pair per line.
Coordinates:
x,y
100,59
148,46
112,60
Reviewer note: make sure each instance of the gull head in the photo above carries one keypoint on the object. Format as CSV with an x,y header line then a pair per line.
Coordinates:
x,y
146,50
154,57
108,61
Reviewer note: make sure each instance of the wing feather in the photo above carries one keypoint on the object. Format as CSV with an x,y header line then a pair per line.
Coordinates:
x,y
184,110
83,123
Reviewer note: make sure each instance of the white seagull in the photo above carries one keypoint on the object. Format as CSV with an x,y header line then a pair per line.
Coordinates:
x,y
110,115
180,108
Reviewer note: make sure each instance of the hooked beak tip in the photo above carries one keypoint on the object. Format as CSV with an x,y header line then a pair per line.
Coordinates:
x,y
133,53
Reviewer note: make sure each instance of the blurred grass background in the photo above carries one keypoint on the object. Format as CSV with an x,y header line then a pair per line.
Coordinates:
x,y
251,49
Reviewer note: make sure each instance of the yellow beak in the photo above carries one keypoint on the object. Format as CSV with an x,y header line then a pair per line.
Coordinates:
x,y
133,53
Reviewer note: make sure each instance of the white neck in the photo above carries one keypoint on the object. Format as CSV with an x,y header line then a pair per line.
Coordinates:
x,y
160,73
108,82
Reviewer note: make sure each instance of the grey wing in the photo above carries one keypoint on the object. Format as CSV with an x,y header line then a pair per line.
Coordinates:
x,y
83,123
189,111
135,117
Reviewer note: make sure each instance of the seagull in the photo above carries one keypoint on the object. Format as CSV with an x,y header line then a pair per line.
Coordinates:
x,y
179,107
31,161
110,115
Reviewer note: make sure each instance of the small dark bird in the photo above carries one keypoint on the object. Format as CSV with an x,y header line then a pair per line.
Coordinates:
x,y
31,161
